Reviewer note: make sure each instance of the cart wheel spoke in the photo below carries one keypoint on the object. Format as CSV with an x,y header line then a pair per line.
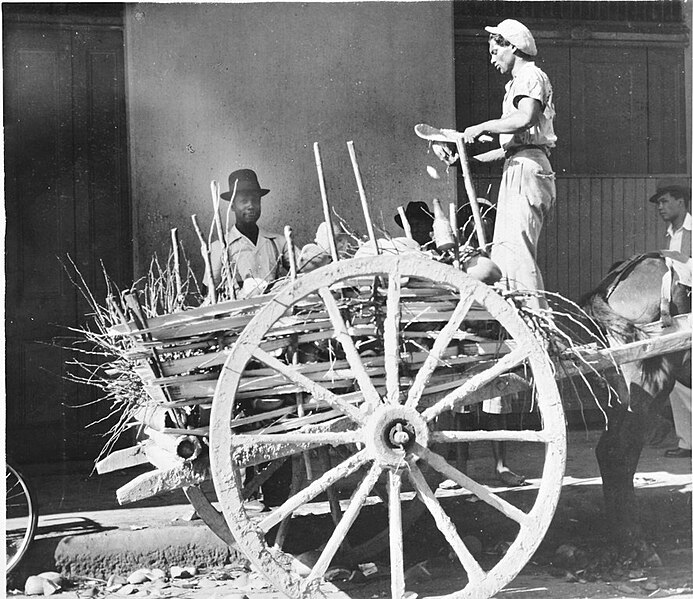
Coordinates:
x,y
318,392
341,333
497,435
355,504
396,542
474,571
439,346
438,463
320,485
391,337
475,382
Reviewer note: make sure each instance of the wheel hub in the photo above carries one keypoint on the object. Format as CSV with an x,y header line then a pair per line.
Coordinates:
x,y
402,435
391,433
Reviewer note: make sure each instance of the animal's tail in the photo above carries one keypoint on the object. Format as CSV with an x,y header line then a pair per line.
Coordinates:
x,y
656,371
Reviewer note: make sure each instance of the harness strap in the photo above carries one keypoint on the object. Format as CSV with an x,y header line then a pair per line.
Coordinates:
x,y
617,274
665,296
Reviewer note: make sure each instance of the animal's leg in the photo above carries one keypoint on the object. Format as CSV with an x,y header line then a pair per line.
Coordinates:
x,y
618,453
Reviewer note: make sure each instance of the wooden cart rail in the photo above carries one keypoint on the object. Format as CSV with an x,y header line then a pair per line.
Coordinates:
x,y
190,378
583,360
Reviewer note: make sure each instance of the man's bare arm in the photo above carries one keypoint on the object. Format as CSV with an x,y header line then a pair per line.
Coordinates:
x,y
526,115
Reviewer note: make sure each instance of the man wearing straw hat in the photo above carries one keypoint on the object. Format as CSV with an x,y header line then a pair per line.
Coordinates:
x,y
254,254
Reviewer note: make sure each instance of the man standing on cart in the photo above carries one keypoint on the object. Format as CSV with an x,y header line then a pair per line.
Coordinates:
x,y
525,129
528,187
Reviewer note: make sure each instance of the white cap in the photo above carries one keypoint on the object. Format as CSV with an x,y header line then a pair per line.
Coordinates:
x,y
517,34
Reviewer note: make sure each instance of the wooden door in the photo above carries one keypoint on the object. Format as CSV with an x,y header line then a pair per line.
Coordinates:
x,y
66,195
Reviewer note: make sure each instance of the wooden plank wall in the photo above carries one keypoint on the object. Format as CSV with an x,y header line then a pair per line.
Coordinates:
x,y
596,221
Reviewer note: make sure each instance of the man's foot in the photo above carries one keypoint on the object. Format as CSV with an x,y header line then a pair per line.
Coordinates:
x,y
510,479
679,452
254,505
448,484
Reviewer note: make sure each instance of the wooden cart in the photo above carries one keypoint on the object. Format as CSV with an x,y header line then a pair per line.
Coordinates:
x,y
350,374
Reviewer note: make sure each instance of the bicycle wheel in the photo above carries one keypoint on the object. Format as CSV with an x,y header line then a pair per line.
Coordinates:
x,y
21,516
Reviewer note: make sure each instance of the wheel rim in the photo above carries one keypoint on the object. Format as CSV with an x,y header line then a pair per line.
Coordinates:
x,y
393,427
21,517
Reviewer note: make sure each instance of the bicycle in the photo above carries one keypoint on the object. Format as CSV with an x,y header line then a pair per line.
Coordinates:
x,y
21,512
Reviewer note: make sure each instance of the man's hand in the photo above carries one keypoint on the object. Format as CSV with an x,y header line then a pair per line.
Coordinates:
x,y
447,152
471,133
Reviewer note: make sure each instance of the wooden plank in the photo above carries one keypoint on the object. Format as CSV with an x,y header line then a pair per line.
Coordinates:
x,y
584,225
629,229
560,281
157,482
600,359
618,237
593,273
189,316
654,239
615,109
642,219
121,459
607,225
148,375
667,137
571,284
151,415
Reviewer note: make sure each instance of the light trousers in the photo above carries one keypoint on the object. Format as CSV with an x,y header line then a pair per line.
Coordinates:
x,y
680,399
525,199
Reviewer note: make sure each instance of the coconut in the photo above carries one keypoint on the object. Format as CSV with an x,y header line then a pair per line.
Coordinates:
x,y
54,577
483,269
49,587
34,585
139,576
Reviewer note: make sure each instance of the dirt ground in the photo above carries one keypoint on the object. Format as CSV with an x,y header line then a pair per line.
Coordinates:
x,y
573,561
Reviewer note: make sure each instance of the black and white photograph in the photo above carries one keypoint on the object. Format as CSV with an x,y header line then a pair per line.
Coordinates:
x,y
348,300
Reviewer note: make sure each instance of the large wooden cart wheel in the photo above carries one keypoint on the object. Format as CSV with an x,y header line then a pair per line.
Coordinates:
x,y
388,419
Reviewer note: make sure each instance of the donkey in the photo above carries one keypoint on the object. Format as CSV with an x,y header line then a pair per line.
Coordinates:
x,y
629,296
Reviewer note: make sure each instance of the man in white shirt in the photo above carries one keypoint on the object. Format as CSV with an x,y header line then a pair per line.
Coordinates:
x,y
528,188
254,253
673,205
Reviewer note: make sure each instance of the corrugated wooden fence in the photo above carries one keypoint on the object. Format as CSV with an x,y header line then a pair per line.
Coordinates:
x,y
596,221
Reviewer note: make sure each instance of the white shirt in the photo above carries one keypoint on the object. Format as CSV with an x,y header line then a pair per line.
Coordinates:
x,y
262,260
532,82
676,237
684,270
